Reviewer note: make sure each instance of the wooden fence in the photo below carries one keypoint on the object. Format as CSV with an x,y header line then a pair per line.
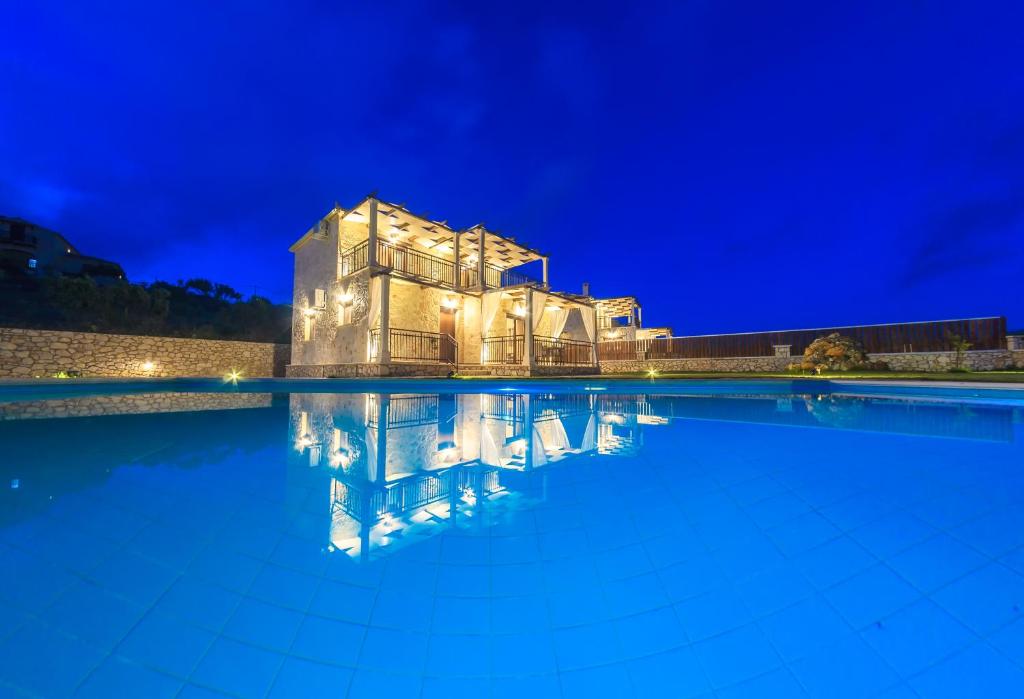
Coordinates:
x,y
931,336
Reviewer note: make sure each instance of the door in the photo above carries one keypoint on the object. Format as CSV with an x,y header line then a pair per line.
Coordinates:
x,y
446,350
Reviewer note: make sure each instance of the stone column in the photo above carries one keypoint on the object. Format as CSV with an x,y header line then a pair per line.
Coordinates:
x,y
458,264
528,330
544,262
481,267
384,350
371,250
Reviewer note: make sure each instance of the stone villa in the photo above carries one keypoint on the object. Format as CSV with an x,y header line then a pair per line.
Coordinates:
x,y
381,291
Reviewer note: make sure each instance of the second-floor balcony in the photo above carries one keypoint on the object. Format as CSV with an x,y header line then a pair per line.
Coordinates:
x,y
430,268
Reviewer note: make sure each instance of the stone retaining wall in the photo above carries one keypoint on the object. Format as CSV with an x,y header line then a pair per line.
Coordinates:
x,y
44,353
625,366
982,360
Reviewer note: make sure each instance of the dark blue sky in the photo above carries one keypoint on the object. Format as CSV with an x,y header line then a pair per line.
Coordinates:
x,y
738,166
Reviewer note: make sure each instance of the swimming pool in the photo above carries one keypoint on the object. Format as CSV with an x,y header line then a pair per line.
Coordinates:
x,y
543,539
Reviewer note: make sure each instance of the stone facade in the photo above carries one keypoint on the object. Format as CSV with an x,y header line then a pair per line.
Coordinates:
x,y
44,353
130,404
982,360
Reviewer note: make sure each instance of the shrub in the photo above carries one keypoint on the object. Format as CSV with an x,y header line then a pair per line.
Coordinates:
x,y
834,352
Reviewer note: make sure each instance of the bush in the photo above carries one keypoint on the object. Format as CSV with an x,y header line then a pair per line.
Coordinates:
x,y
833,353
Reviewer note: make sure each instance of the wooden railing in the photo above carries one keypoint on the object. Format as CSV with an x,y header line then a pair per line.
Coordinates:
x,y
416,346
982,333
506,349
353,259
500,278
428,267
550,351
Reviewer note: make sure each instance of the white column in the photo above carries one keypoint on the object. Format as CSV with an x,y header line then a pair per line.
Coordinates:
x,y
384,350
371,250
528,330
480,260
544,262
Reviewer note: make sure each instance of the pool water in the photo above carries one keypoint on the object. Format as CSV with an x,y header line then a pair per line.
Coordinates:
x,y
749,541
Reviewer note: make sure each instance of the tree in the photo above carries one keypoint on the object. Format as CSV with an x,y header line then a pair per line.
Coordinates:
x,y
202,286
833,353
223,291
960,346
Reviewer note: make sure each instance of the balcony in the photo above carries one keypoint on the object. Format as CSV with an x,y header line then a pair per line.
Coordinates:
x,y
416,346
427,267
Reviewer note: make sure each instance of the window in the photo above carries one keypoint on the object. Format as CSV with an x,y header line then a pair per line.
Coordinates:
x,y
320,298
345,314
32,263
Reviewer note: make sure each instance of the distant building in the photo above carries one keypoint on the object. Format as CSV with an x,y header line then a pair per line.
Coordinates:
x,y
620,318
27,249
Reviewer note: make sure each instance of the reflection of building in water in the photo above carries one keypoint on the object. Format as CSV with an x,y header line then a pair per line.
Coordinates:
x,y
402,466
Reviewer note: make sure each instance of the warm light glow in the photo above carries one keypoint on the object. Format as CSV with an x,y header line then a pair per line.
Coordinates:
x,y
233,376
652,372
354,216
450,302
309,312
148,365
345,297
519,310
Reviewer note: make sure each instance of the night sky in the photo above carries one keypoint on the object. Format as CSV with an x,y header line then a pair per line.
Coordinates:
x,y
737,166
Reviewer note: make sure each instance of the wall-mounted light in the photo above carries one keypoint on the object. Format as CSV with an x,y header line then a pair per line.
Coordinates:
x,y
450,302
345,297
148,365
309,312
519,310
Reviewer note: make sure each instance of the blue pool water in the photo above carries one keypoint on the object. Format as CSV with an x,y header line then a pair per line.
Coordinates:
x,y
564,540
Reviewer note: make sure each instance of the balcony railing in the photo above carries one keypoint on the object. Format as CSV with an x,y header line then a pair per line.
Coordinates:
x,y
416,346
550,351
429,267
500,278
507,349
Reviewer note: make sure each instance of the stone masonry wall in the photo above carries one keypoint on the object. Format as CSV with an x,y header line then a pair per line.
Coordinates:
x,y
982,360
130,404
43,353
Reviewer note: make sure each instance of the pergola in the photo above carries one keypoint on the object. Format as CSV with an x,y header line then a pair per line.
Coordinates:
x,y
473,247
617,307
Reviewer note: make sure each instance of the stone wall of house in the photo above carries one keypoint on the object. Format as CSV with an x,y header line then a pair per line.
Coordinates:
x,y
981,360
366,369
130,404
44,353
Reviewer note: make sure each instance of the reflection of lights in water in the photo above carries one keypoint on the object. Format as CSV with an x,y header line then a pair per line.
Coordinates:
x,y
447,455
468,495
303,442
518,447
340,460
388,521
594,388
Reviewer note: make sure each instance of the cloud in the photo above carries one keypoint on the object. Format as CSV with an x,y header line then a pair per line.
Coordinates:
x,y
970,235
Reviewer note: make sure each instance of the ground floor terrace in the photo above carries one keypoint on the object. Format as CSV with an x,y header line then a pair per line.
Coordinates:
x,y
391,325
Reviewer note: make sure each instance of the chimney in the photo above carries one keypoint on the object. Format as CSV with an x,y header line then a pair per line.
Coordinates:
x,y
586,288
